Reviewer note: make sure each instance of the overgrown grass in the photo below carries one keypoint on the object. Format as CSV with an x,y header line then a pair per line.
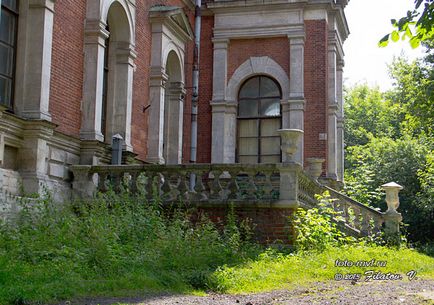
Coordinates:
x,y
120,245
275,270
116,245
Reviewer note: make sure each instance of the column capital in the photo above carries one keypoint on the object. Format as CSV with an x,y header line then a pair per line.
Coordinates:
x,y
340,64
125,53
333,109
158,77
95,32
46,4
220,43
295,104
224,106
296,41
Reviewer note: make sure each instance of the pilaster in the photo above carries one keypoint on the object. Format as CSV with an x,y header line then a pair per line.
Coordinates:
x,y
120,111
35,39
332,107
340,121
157,87
293,114
223,112
95,35
224,124
174,119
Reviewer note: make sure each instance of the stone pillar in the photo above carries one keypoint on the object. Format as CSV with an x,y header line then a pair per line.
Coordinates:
x,y
289,169
33,75
84,184
340,121
158,79
95,35
174,121
33,155
119,114
223,111
332,109
392,218
296,95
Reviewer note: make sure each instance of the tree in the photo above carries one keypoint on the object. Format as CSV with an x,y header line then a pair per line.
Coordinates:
x,y
369,114
390,137
423,22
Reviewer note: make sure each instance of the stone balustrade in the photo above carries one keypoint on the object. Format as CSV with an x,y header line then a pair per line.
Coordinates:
x,y
276,186
259,185
213,183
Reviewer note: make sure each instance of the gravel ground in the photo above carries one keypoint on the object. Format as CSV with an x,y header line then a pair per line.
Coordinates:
x,y
413,292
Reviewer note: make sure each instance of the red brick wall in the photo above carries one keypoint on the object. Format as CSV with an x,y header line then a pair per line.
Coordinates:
x,y
205,91
241,50
67,65
269,225
140,118
67,71
315,88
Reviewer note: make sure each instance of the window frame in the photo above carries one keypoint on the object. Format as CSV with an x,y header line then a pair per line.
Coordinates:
x,y
259,119
12,78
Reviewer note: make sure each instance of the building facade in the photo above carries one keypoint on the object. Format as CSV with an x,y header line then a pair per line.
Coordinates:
x,y
74,73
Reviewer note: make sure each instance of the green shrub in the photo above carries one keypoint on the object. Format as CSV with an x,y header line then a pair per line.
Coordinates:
x,y
317,228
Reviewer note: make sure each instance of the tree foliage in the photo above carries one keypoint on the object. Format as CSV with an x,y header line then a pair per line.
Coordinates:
x,y
417,25
390,137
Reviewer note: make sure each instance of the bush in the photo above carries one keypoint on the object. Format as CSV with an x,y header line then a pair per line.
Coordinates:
x,y
317,228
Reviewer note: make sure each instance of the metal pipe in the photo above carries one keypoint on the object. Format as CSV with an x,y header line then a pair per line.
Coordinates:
x,y
195,95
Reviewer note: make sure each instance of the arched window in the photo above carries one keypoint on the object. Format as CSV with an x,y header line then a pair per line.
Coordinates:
x,y
259,117
8,42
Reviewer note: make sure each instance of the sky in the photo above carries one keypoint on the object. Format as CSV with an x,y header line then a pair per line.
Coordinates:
x,y
369,21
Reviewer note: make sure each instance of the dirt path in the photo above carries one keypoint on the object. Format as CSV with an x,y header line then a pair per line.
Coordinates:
x,y
373,293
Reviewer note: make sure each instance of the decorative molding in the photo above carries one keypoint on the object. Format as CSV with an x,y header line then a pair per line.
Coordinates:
x,y
258,66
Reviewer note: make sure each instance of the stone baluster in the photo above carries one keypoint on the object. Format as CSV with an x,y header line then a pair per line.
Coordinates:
x,y
365,223
165,187
214,185
199,187
357,222
346,212
183,186
268,187
233,185
251,187
378,223
133,181
102,182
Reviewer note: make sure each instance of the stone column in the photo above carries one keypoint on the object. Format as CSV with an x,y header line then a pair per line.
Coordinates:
x,y
223,118
294,118
120,113
340,121
157,84
95,35
174,118
34,59
332,109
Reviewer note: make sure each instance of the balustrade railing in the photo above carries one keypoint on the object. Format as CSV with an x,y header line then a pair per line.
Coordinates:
x,y
218,184
355,217
213,183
